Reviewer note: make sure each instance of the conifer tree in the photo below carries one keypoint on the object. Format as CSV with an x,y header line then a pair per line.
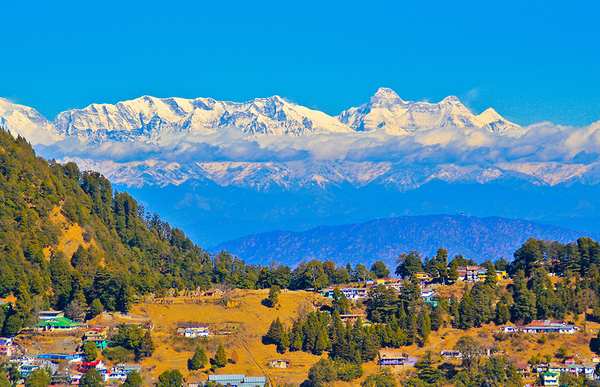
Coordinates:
x,y
426,370
424,326
523,309
296,336
502,310
284,342
340,303
198,360
220,359
275,333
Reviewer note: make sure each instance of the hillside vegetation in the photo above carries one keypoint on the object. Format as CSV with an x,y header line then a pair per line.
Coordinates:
x,y
66,239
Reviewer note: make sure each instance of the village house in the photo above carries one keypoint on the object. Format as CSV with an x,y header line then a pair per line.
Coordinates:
x,y
428,296
98,365
472,273
121,371
542,326
388,281
96,335
422,277
50,314
193,331
51,320
237,380
279,363
392,357
70,357
349,293
450,354
28,366
7,348
523,368
550,378
352,318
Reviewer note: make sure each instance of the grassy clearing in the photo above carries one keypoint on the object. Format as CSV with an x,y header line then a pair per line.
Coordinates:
x,y
251,320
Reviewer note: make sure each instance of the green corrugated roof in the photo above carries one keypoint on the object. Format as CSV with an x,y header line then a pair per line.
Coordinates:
x,y
60,322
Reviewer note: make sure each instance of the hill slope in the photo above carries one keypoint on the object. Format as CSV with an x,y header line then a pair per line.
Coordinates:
x,y
66,240
477,238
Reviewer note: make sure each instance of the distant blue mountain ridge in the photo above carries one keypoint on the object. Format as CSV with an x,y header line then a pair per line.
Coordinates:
x,y
474,237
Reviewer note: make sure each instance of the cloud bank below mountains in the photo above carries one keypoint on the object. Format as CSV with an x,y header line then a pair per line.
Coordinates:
x,y
543,142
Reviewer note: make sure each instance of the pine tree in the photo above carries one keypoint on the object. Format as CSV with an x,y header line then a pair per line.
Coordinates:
x,y
284,342
437,318
369,348
426,371
523,308
90,351
322,341
502,310
340,303
424,322
296,336
198,360
468,312
454,311
273,298
38,378
146,347
220,359
275,333
170,378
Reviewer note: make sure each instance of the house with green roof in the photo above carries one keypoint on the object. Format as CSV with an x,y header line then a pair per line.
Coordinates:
x,y
59,323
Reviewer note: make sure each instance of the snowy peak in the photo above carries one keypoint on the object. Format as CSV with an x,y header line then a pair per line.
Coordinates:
x,y
27,122
273,115
152,119
387,112
385,96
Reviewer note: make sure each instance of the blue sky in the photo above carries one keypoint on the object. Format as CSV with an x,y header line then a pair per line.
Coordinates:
x,y
531,60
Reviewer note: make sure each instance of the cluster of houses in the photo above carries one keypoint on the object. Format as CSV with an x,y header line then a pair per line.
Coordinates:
x,y
65,368
550,372
471,273
361,293
70,368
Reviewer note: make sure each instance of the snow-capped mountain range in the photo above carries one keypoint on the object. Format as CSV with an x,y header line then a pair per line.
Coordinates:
x,y
222,169
267,142
148,118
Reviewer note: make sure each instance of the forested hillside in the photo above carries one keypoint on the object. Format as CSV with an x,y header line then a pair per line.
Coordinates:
x,y
124,251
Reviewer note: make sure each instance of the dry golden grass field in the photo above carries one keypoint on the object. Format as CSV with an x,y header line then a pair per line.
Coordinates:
x,y
249,320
